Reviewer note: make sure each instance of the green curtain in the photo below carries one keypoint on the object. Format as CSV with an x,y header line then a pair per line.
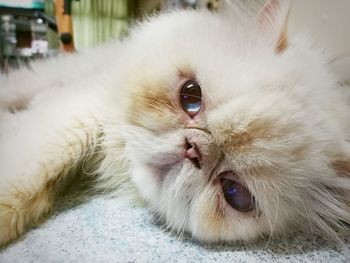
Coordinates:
x,y
96,21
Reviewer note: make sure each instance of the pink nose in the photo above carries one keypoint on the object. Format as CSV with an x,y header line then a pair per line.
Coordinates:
x,y
193,153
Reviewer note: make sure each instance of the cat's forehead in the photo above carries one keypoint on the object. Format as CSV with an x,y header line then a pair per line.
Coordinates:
x,y
189,33
215,48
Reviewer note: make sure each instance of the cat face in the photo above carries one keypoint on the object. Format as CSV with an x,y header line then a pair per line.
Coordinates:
x,y
228,138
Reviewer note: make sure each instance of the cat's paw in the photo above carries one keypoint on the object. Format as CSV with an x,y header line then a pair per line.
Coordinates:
x,y
11,223
20,212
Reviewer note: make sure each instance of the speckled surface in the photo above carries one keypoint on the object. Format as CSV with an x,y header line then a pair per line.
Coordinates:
x,y
107,230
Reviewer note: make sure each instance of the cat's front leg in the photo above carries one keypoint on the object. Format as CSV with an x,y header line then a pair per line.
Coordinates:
x,y
38,152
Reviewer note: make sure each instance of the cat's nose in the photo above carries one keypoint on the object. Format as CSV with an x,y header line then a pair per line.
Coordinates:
x,y
192,152
200,149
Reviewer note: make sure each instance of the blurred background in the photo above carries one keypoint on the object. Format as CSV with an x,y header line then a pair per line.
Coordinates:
x,y
36,29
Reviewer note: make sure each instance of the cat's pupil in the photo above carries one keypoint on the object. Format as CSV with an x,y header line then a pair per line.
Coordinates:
x,y
191,97
237,196
231,191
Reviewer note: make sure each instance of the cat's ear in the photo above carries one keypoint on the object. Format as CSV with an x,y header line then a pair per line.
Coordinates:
x,y
273,22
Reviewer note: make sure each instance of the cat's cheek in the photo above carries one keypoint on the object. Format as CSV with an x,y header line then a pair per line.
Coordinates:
x,y
147,184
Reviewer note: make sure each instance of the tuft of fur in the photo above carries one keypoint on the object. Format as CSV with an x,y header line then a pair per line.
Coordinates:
x,y
272,112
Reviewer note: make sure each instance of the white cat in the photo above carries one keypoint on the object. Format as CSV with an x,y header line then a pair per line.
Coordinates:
x,y
227,128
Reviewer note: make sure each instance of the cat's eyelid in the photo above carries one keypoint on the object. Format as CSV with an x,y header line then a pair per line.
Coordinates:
x,y
186,74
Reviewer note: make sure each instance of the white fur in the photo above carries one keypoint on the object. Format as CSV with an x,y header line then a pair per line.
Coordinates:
x,y
77,110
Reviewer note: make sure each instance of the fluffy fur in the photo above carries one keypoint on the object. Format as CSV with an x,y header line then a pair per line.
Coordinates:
x,y
272,112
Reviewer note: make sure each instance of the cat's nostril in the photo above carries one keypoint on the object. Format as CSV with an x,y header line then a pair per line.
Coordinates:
x,y
192,153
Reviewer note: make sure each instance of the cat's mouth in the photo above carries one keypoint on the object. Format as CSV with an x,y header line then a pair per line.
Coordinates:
x,y
235,193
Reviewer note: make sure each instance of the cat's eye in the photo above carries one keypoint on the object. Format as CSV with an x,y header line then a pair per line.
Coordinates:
x,y
191,97
237,196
